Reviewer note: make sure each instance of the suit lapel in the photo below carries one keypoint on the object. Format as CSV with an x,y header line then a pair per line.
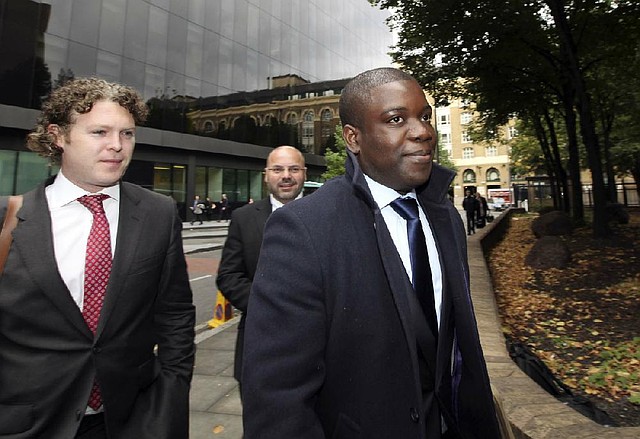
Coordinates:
x,y
439,221
263,208
34,242
401,289
130,226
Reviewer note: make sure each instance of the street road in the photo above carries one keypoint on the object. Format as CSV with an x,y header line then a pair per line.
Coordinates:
x,y
203,268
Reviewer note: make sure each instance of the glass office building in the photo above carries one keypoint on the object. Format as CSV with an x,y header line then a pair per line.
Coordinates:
x,y
182,54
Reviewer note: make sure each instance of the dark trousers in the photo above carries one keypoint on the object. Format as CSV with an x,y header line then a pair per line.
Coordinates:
x,y
92,427
471,224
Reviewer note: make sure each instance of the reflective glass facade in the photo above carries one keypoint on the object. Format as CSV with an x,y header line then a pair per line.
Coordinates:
x,y
180,54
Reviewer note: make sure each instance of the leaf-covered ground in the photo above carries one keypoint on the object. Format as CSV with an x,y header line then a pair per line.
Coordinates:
x,y
582,321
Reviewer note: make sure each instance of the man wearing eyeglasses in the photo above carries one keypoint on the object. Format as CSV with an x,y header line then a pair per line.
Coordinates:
x,y
284,177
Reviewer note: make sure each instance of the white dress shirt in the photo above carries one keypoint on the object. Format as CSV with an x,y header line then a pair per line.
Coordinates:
x,y
384,196
70,226
275,204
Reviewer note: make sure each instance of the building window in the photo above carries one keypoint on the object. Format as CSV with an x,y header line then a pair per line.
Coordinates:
x,y
292,119
513,132
443,119
466,137
445,138
469,176
467,153
325,119
491,151
465,117
307,130
208,127
493,175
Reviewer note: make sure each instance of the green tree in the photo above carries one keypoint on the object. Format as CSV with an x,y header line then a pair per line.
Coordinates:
x,y
444,159
336,159
534,59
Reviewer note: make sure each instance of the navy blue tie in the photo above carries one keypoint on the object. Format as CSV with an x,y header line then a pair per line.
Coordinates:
x,y
407,208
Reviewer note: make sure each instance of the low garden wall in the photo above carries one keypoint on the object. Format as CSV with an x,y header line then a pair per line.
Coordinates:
x,y
525,409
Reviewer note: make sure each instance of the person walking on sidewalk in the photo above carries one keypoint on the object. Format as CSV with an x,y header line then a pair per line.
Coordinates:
x,y
223,208
470,205
360,320
483,210
197,207
284,177
96,312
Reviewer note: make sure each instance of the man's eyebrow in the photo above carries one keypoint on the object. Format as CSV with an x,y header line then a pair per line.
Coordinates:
x,y
389,110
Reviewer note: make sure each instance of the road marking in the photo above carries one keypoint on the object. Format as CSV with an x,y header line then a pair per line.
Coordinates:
x,y
203,331
200,278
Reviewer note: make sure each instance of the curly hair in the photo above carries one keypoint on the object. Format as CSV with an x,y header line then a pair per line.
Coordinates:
x,y
357,92
78,97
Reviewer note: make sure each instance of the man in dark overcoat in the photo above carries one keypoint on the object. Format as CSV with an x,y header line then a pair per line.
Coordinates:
x,y
336,343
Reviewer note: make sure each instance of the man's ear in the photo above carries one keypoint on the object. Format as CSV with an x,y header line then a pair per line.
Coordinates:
x,y
57,134
351,137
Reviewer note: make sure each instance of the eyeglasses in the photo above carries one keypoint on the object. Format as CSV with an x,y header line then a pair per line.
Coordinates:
x,y
293,170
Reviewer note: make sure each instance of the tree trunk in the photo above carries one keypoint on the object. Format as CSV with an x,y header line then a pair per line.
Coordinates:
x,y
577,204
561,174
543,140
587,126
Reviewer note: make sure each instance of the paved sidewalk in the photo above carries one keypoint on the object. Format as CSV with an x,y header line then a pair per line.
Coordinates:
x,y
216,411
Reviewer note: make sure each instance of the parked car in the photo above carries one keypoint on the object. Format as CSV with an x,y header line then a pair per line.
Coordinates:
x,y
498,204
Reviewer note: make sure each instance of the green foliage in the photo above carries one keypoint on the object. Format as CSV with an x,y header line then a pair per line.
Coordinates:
x,y
614,368
336,159
531,59
444,159
526,156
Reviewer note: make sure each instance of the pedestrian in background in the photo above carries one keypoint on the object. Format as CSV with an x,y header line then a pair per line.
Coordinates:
x,y
208,208
197,208
360,320
284,177
224,212
96,312
470,205
483,209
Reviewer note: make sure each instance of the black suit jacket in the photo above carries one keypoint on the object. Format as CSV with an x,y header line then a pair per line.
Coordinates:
x,y
49,357
239,261
331,347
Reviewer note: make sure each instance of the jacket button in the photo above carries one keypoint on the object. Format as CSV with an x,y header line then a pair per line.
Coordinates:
x,y
97,350
415,416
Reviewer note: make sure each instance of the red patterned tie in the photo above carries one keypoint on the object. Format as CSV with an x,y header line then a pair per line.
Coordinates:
x,y
97,269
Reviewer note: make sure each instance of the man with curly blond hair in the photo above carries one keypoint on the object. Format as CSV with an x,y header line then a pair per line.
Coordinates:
x,y
96,312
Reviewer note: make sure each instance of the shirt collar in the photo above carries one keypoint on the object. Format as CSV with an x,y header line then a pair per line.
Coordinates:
x,y
384,195
63,191
275,204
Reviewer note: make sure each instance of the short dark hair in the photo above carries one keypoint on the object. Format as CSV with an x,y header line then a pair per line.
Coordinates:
x,y
78,97
357,91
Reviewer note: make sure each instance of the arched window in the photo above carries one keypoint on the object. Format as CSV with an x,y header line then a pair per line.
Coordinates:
x,y
468,176
307,130
308,116
292,119
208,126
493,174
325,121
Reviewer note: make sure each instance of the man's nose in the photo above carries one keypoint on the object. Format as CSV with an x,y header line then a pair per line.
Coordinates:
x,y
421,131
115,142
